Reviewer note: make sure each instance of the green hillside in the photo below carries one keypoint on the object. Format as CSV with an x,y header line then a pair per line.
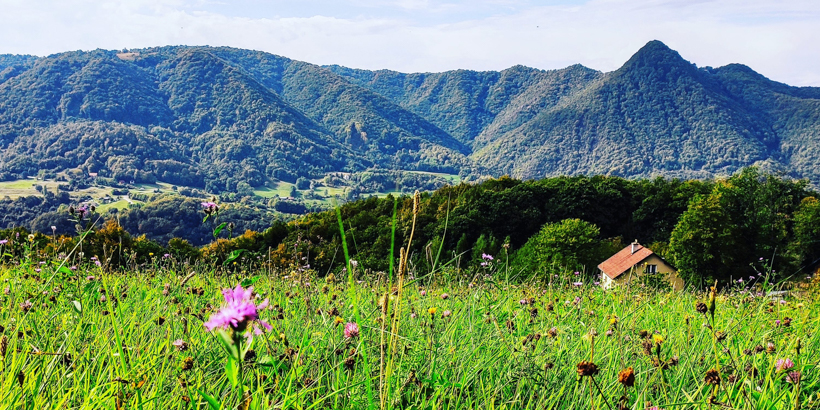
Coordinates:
x,y
231,120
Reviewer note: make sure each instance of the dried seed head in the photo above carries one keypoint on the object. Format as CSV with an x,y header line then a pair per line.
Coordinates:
x,y
4,345
586,368
701,308
416,198
712,377
627,377
187,363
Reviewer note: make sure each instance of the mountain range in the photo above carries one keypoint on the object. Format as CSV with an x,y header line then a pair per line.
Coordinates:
x,y
217,118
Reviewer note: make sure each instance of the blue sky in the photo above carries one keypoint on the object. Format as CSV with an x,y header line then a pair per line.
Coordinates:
x,y
776,38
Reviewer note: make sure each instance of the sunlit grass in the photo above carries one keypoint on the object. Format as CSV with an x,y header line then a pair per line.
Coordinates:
x,y
499,346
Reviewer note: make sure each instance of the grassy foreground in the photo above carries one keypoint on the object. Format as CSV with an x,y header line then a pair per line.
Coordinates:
x,y
88,340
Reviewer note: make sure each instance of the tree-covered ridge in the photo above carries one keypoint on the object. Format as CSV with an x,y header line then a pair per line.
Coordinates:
x,y
659,114
236,119
213,109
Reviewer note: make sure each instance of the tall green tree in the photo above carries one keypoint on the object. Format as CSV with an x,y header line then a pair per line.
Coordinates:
x,y
703,243
571,244
805,247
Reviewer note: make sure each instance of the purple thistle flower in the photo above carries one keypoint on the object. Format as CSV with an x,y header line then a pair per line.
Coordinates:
x,y
351,330
486,257
210,207
578,283
239,312
4,241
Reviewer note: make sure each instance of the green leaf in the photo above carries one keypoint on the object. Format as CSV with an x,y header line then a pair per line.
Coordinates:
x,y
219,229
77,306
65,270
235,254
227,342
249,281
210,399
232,371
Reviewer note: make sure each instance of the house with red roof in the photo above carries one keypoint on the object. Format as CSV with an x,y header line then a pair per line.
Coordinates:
x,y
634,261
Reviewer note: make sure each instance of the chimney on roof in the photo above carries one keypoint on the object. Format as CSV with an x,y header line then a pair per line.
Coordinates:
x,y
635,246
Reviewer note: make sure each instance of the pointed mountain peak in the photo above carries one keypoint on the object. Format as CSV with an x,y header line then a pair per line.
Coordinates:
x,y
656,60
656,53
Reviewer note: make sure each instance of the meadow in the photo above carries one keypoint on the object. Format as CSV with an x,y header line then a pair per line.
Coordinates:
x,y
83,338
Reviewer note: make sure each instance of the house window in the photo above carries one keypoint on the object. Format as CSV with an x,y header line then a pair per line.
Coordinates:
x,y
651,268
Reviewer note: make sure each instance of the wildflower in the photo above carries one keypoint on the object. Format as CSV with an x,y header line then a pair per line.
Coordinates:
x,y
586,368
712,377
486,257
627,377
26,306
210,207
777,322
180,345
784,364
432,311
38,270
445,296
770,348
577,283
793,377
354,263
609,333
7,290
423,292
524,302
338,321
166,256
446,313
412,315
657,338
351,330
97,263
102,298
239,312
4,241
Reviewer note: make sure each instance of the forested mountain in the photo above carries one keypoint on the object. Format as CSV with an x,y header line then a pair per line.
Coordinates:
x,y
218,118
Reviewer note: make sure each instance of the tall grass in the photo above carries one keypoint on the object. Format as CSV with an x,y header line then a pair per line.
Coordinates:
x,y
107,342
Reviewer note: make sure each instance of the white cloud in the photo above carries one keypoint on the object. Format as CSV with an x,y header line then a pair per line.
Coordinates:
x,y
774,38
